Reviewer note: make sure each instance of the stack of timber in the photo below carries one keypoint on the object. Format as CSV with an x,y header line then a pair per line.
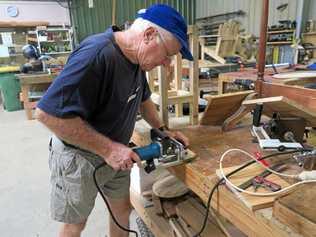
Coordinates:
x,y
178,217
298,210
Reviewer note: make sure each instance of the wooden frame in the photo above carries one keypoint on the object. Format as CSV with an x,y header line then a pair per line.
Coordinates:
x,y
177,97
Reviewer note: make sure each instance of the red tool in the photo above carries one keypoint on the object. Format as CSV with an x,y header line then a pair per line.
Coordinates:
x,y
260,181
264,162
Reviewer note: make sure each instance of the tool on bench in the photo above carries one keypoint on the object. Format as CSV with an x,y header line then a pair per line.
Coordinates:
x,y
164,151
260,181
279,133
277,167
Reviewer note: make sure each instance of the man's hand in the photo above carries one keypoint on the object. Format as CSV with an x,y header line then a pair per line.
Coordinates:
x,y
121,157
178,136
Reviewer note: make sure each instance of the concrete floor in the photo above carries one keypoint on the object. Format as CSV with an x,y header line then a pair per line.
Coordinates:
x,y
24,186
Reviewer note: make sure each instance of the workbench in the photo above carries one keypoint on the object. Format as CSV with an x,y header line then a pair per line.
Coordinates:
x,y
209,143
249,74
29,82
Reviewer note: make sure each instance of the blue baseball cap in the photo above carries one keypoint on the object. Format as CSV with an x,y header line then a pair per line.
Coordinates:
x,y
168,18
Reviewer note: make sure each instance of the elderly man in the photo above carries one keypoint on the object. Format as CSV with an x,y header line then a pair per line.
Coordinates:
x,y
91,108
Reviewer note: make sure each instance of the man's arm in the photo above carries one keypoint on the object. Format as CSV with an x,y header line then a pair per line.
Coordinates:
x,y
149,113
77,132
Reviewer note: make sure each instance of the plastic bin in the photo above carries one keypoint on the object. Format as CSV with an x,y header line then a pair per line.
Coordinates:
x,y
10,91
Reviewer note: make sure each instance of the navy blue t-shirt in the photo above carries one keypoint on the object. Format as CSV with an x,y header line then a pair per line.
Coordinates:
x,y
100,85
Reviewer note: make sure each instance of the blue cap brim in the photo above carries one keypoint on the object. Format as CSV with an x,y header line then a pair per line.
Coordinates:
x,y
185,52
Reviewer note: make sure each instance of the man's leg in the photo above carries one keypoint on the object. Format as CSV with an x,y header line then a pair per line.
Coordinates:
x,y
121,209
71,230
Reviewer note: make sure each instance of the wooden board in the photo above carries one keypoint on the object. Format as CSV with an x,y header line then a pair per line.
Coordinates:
x,y
157,224
253,202
288,75
194,218
298,210
220,107
285,107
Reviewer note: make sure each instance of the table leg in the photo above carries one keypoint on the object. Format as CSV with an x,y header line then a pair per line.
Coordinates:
x,y
26,102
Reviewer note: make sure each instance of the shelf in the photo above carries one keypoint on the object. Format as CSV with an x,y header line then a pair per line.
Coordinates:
x,y
281,31
309,33
15,54
279,42
52,53
54,41
57,30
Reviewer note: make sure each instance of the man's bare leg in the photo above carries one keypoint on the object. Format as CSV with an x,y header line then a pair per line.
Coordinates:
x,y
71,230
121,209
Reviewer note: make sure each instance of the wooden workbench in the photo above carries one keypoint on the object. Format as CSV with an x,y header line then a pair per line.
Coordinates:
x,y
249,74
29,81
209,143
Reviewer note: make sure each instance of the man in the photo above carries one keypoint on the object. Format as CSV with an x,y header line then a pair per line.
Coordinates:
x,y
91,108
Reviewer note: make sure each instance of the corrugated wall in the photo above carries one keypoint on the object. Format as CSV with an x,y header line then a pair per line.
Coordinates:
x,y
93,20
251,21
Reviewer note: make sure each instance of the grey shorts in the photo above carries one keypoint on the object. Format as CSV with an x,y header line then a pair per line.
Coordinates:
x,y
73,190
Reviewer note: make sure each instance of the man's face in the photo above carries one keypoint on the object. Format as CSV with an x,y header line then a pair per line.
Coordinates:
x,y
156,50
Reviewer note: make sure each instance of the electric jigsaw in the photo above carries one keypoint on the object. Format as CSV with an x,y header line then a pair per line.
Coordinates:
x,y
164,151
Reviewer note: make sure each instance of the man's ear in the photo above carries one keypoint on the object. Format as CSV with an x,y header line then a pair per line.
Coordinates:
x,y
149,34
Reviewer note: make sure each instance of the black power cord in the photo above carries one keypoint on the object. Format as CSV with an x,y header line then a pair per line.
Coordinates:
x,y
230,174
106,202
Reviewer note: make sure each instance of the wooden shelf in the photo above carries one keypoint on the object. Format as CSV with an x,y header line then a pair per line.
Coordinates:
x,y
54,41
280,31
309,33
52,53
279,42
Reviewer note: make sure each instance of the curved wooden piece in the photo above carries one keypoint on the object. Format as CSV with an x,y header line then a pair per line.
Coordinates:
x,y
231,121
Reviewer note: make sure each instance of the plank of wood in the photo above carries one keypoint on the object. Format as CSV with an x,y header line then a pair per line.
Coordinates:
x,y
187,228
212,53
178,230
303,96
298,209
157,224
289,75
195,218
23,23
285,107
220,107
232,121
253,202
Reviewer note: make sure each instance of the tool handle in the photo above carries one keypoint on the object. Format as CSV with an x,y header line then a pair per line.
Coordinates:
x,y
148,152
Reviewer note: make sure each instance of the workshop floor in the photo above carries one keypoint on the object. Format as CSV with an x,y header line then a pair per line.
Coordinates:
x,y
24,186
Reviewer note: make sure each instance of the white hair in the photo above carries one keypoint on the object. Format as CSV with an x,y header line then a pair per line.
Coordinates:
x,y
140,25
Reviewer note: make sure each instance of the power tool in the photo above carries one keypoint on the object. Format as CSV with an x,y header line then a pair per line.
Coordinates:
x,y
279,133
164,151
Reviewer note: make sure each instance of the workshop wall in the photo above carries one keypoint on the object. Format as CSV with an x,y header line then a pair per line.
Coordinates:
x,y
49,11
96,18
251,21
